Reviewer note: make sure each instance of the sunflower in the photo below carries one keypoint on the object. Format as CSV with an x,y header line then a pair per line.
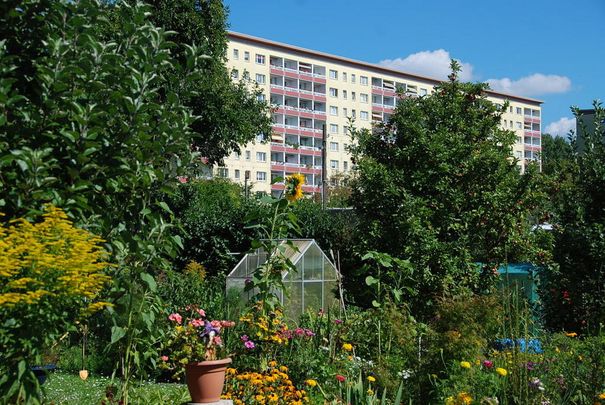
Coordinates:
x,y
294,185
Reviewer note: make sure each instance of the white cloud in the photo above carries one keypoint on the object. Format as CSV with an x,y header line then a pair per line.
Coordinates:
x,y
561,127
532,85
429,63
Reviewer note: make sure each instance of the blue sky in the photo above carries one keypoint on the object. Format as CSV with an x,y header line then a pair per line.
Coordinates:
x,y
552,50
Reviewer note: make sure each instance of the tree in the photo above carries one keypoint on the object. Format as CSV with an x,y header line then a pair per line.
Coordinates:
x,y
576,285
92,125
228,114
437,184
556,153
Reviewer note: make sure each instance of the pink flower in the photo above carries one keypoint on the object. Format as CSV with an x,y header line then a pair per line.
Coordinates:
x,y
216,324
299,332
337,321
227,324
249,344
309,332
244,338
340,378
488,364
196,323
201,312
175,318
217,340
164,358
182,179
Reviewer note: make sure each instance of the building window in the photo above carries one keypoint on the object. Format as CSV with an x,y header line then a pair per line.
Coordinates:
x,y
334,146
423,92
353,96
246,75
237,174
260,79
363,115
354,113
510,109
510,124
333,74
519,111
247,56
261,156
333,92
260,59
334,164
236,155
363,80
333,128
260,138
519,125
261,97
363,98
345,130
247,155
345,112
344,77
235,74
261,176
223,172
345,165
236,54
352,78
344,94
333,110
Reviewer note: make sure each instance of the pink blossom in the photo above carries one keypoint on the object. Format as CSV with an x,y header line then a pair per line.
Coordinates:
x,y
299,332
201,312
164,358
217,340
175,318
309,332
337,321
488,363
227,324
182,179
340,378
249,344
216,324
244,338
196,323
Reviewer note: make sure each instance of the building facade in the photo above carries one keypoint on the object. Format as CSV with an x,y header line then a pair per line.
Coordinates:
x,y
310,89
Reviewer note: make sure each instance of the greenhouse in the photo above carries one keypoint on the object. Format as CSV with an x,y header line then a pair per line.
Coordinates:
x,y
312,286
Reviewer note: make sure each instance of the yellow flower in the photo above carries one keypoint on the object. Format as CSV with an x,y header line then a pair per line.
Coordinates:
x,y
294,185
450,401
465,364
501,371
602,396
347,347
571,334
370,391
465,398
311,383
371,379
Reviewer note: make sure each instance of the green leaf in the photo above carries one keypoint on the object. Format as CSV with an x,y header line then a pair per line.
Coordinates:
x,y
375,303
148,278
117,333
370,281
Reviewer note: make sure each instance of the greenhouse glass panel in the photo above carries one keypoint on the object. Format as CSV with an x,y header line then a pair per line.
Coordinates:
x,y
313,263
313,295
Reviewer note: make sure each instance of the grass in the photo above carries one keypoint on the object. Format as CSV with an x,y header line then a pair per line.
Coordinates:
x,y
63,388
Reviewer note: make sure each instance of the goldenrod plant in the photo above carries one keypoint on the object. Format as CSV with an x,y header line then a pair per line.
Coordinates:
x,y
51,276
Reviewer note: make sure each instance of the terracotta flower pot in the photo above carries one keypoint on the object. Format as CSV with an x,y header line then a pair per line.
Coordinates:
x,y
205,380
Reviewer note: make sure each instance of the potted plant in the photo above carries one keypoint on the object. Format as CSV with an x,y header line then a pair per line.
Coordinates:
x,y
194,346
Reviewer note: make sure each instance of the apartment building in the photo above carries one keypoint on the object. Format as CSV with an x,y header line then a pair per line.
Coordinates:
x,y
311,89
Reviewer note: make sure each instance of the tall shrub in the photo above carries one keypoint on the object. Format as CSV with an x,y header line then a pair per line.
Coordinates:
x,y
438,184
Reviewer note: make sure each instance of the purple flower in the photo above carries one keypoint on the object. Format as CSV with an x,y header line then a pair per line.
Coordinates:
x,y
337,321
209,330
309,332
249,344
244,338
530,365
